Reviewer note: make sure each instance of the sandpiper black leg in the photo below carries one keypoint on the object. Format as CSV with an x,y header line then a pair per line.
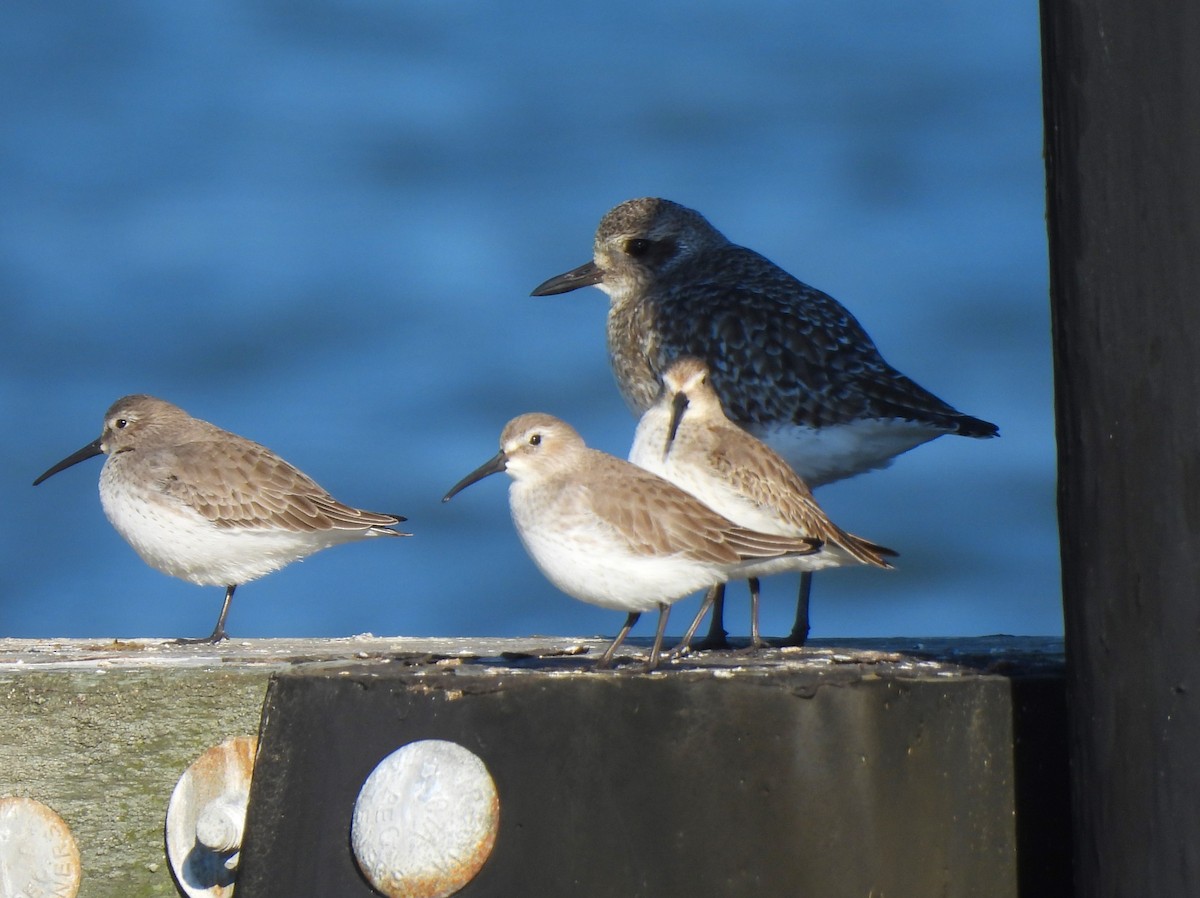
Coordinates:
x,y
756,641
717,638
664,611
218,634
685,644
799,634
606,658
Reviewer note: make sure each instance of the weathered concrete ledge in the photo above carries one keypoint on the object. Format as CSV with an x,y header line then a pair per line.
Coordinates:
x,y
934,762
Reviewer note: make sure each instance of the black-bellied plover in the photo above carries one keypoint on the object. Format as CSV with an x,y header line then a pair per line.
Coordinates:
x,y
686,438
208,506
612,534
790,363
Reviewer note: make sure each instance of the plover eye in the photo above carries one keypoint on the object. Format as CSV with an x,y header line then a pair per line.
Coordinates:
x,y
535,440
637,247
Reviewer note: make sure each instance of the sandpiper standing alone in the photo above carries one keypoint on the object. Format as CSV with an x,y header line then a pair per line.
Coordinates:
x,y
790,364
686,438
612,534
208,506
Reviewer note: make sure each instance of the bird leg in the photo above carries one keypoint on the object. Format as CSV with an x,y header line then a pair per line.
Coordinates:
x,y
218,634
717,638
799,634
606,658
664,611
716,591
756,641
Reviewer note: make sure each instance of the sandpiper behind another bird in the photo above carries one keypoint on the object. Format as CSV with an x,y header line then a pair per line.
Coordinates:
x,y
686,438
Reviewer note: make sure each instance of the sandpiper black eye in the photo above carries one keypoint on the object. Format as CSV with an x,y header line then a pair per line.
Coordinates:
x,y
535,440
637,247
120,424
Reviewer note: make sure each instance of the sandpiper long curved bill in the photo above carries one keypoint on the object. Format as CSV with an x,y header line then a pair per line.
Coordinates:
x,y
208,506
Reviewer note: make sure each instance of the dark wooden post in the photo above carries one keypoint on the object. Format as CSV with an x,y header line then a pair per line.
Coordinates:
x,y
1122,105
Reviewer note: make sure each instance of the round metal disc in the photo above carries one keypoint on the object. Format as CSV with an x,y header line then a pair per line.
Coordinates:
x,y
219,776
38,854
425,820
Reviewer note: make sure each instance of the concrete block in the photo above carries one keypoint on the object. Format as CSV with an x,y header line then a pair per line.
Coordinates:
x,y
823,774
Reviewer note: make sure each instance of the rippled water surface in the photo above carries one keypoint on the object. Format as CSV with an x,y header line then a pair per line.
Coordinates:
x,y
318,224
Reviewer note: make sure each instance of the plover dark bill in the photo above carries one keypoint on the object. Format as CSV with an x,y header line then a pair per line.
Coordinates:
x,y
609,533
686,438
208,506
790,364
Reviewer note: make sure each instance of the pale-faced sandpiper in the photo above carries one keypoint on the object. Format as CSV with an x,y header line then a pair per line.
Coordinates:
x,y
609,533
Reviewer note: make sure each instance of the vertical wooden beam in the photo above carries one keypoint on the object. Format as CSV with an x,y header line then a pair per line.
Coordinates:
x,y
1122,107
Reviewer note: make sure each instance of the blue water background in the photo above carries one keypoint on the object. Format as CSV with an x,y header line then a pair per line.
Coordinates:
x,y
317,225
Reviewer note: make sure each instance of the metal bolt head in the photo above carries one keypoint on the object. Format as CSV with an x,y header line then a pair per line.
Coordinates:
x,y
38,854
220,823
425,820
205,818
